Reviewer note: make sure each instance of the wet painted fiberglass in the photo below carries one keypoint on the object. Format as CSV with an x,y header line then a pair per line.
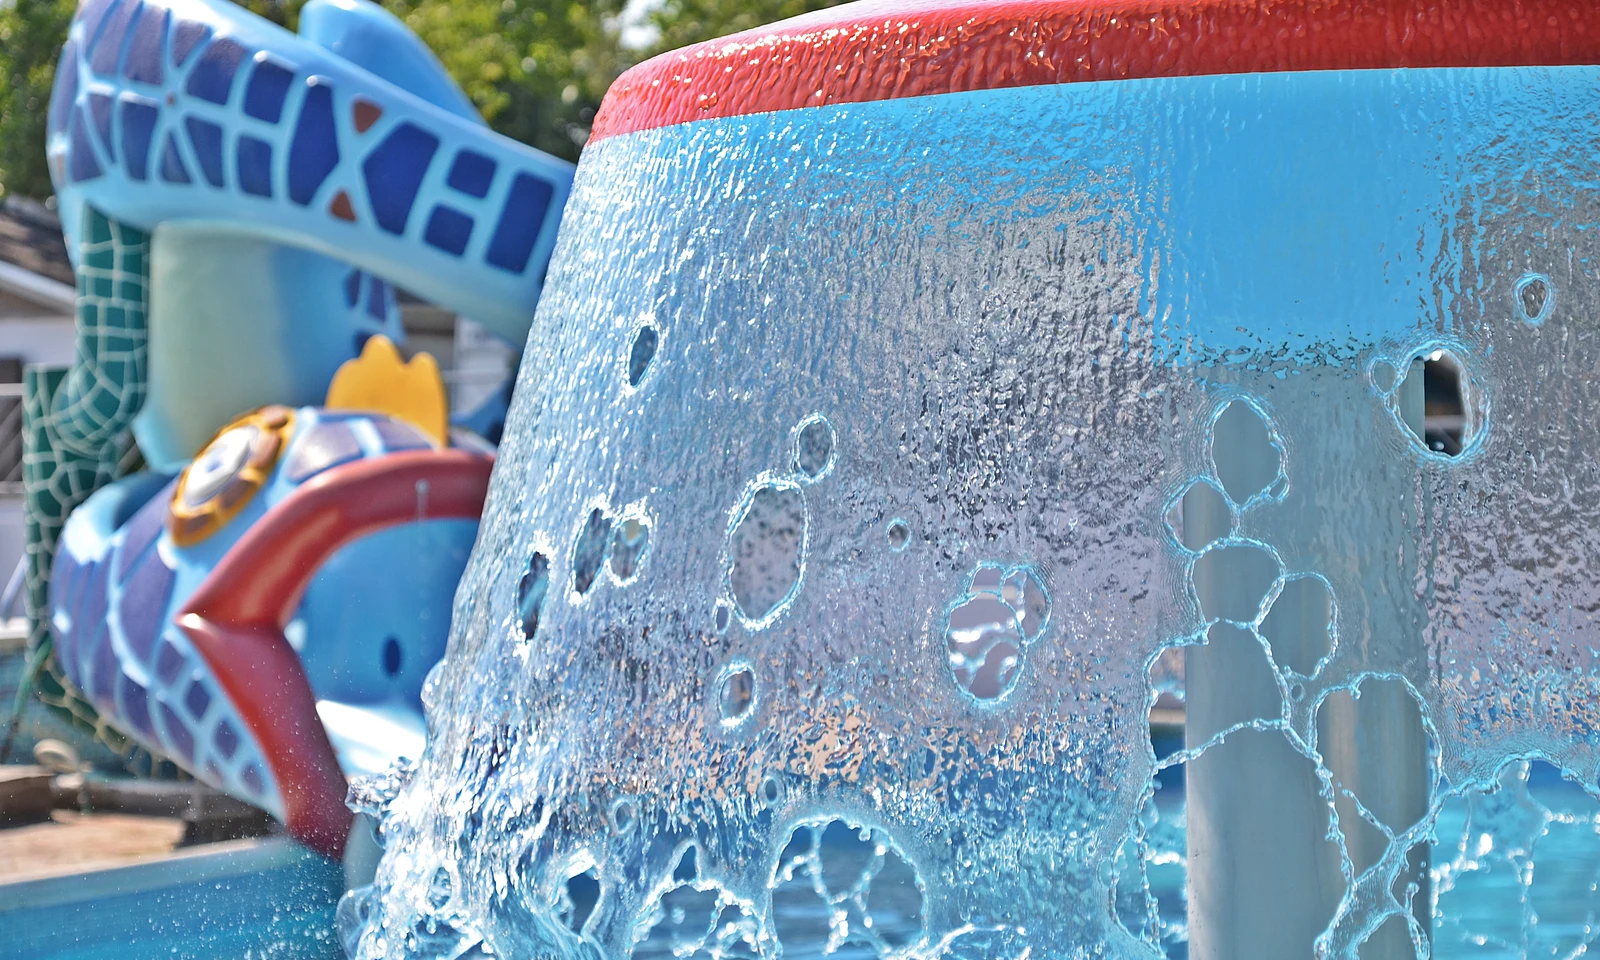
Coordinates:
x,y
1082,353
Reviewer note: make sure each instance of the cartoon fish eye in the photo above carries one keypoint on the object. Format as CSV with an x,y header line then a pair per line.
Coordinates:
x,y
227,473
219,463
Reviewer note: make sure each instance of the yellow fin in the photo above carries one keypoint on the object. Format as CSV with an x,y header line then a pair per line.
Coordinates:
x,y
378,381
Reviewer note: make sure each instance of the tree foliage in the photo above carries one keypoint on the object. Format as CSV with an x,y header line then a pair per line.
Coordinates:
x,y
536,69
31,35
682,22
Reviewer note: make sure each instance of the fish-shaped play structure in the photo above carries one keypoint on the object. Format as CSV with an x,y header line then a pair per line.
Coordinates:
x,y
262,603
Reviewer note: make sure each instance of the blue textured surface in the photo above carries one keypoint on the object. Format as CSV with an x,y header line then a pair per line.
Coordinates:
x,y
108,46
472,173
448,229
138,123
65,91
81,162
213,73
393,173
206,139
313,147
144,50
100,113
265,92
255,166
518,230
314,152
173,170
188,35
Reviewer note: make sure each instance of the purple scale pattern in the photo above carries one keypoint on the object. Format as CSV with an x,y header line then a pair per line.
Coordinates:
x,y
253,782
196,699
178,736
188,35
226,739
398,435
107,49
143,604
144,52
169,663
136,706
104,670
324,445
143,530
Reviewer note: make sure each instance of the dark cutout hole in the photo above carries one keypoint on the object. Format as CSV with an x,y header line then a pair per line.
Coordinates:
x,y
391,657
589,552
531,592
583,892
738,690
642,352
724,617
1446,428
1533,296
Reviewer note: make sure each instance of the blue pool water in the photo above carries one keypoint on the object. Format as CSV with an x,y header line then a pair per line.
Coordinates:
x,y
1515,873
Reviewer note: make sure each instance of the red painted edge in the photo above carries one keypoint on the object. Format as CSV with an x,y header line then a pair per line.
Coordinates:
x,y
236,617
887,50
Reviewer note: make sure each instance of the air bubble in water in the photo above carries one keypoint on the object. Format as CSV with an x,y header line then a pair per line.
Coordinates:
x,y
899,535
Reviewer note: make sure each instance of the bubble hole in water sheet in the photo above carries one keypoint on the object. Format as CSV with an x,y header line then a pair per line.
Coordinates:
x,y
898,535
690,916
736,693
1200,498
766,551
630,544
988,628
839,885
642,352
589,549
813,447
1535,298
1247,458
1453,411
531,592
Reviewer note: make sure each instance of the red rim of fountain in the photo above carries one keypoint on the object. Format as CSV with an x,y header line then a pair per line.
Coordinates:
x,y
889,49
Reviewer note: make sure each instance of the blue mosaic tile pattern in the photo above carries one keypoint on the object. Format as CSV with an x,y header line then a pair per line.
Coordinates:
x,y
138,123
230,101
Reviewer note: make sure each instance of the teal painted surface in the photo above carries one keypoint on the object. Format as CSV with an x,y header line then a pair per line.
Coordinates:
x,y
272,901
